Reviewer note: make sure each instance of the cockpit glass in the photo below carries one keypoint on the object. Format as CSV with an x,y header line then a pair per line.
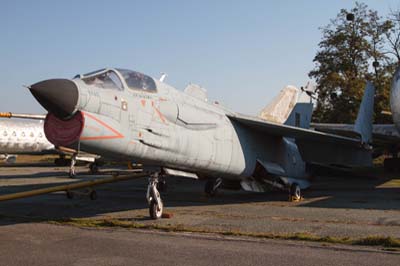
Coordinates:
x,y
138,81
94,72
105,80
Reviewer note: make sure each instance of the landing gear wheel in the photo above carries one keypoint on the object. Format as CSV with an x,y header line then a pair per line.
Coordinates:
x,y
212,186
93,195
69,194
72,173
58,162
208,189
391,164
155,210
153,197
295,192
94,168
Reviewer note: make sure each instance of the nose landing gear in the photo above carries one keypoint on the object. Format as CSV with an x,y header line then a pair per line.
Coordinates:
x,y
153,197
72,173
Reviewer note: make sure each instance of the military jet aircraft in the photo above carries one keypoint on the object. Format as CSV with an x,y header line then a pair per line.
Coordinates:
x,y
126,115
386,137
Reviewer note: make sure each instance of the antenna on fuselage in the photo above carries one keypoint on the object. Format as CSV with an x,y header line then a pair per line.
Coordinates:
x,y
163,76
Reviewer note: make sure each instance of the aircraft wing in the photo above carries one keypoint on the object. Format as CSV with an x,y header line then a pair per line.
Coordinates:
x,y
297,133
314,147
381,133
385,137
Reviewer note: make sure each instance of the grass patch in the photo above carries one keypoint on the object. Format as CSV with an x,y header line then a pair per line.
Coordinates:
x,y
387,242
378,241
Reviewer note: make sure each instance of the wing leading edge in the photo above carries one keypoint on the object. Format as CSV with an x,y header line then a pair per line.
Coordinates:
x,y
314,147
279,130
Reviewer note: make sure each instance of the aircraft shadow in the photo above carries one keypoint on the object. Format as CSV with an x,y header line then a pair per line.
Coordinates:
x,y
350,192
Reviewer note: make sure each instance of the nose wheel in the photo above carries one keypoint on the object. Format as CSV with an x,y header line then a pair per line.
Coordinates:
x,y
153,197
72,172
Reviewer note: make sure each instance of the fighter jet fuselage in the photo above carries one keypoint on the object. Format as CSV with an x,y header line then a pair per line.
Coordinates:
x,y
124,114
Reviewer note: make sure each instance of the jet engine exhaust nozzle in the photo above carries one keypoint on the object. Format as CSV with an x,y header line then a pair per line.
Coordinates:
x,y
58,96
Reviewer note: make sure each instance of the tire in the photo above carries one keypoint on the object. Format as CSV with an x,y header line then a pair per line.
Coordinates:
x,y
69,194
209,188
295,192
155,212
93,195
58,162
94,168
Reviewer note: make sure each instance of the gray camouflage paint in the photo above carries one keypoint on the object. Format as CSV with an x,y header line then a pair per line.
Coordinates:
x,y
169,127
173,129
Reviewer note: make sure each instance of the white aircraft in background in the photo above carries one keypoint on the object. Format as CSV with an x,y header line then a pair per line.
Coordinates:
x,y
27,137
23,137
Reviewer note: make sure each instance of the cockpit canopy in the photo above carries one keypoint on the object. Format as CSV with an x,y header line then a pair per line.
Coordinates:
x,y
138,81
118,79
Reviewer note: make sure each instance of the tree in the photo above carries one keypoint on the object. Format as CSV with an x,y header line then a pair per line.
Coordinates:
x,y
351,52
393,36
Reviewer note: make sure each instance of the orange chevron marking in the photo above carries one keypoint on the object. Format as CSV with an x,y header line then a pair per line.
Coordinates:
x,y
116,135
160,114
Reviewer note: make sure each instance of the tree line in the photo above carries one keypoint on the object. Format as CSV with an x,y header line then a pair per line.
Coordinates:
x,y
356,46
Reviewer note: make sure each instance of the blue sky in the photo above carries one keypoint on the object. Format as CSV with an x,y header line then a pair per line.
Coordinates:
x,y
242,52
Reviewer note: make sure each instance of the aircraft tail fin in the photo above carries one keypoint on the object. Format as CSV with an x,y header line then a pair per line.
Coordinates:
x,y
279,109
301,114
291,107
363,125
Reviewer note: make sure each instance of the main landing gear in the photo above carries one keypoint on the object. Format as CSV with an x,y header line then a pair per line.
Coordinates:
x,y
294,192
93,168
153,197
212,186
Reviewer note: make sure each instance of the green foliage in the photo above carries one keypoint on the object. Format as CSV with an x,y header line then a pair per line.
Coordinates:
x,y
345,61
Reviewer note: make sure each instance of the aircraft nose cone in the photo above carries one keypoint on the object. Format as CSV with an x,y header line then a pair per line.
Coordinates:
x,y
58,96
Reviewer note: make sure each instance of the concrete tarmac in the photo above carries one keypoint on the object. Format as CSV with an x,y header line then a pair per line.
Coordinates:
x,y
44,244
336,206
